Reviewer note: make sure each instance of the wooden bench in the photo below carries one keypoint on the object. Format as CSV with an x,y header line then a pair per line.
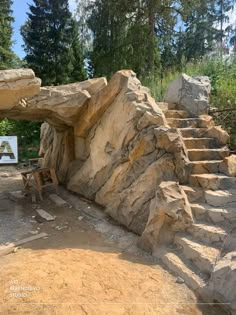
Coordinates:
x,y
39,179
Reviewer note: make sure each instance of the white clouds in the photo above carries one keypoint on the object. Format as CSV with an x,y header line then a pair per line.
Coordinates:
x,y
232,18
72,5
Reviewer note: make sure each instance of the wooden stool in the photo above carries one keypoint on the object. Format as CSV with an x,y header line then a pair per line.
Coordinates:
x,y
39,179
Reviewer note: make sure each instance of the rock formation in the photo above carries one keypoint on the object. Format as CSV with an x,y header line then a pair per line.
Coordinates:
x,y
16,85
191,94
161,169
119,151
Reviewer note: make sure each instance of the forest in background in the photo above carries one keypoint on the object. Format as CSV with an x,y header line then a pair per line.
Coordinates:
x,y
158,39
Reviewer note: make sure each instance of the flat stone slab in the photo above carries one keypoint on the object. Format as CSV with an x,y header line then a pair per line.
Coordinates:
x,y
16,195
219,198
57,200
45,215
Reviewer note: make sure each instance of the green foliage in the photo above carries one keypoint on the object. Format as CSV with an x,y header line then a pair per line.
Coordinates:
x,y
143,35
123,36
6,127
52,43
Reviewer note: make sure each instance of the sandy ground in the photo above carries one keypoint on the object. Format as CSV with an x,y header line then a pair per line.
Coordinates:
x,y
87,265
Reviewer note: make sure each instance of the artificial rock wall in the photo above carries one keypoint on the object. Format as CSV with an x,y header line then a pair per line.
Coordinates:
x,y
109,142
118,151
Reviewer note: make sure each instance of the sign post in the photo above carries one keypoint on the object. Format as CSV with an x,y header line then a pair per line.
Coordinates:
x,y
8,150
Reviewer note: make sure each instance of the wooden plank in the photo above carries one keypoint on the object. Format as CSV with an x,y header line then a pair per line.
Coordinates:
x,y
4,250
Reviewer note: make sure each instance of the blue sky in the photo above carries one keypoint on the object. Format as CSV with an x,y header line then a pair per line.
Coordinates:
x,y
20,7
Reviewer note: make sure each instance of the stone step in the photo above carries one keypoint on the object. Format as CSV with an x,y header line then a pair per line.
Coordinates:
x,y
208,154
194,194
200,143
176,114
178,266
207,233
187,122
193,132
212,181
220,198
166,106
201,167
213,214
201,255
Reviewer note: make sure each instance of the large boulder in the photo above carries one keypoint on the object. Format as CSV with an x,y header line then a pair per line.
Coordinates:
x,y
169,140
169,212
228,166
218,133
15,85
190,94
221,285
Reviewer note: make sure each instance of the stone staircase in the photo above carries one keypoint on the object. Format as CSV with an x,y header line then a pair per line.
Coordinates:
x,y
212,197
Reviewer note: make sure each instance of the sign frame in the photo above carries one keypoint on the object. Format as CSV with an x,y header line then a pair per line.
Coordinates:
x,y
9,150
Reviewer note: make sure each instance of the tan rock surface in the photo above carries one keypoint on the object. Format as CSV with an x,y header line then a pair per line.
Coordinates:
x,y
15,85
222,282
169,212
228,166
218,133
191,94
60,106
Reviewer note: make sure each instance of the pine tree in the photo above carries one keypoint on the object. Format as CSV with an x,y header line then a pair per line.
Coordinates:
x,y
124,36
108,24
222,8
200,29
7,58
78,72
52,42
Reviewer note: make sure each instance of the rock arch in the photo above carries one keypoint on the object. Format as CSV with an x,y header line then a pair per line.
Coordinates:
x,y
101,138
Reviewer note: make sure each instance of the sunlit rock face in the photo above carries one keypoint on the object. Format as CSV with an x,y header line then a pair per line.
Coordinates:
x,y
113,154
109,142
16,85
60,106
191,94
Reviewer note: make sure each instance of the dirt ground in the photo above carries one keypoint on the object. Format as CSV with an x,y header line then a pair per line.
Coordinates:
x,y
86,265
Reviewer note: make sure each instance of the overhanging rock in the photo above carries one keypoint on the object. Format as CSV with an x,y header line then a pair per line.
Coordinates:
x,y
16,85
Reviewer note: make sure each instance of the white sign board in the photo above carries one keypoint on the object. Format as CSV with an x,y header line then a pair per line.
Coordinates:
x,y
8,150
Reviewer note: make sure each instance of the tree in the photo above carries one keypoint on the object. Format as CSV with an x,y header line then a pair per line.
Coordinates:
x,y
108,27
78,72
123,34
222,7
7,58
51,42
201,30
